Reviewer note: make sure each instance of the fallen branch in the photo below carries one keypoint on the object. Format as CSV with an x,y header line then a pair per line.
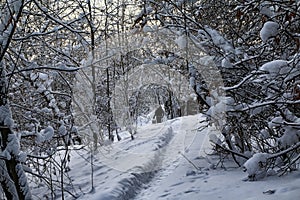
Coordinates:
x,y
231,151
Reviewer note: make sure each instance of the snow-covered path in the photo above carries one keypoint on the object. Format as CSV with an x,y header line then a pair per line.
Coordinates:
x,y
177,175
180,180
150,167
124,168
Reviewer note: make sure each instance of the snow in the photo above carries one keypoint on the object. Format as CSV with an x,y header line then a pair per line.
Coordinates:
x,y
276,67
147,29
5,116
270,29
45,135
214,139
43,76
219,40
62,130
17,6
256,166
280,68
290,137
265,10
23,182
219,107
226,63
181,41
169,161
22,157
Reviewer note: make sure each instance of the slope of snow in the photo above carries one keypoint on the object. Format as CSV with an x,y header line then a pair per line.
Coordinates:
x,y
168,161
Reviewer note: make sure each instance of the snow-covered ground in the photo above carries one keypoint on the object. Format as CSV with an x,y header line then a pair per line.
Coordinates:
x,y
166,161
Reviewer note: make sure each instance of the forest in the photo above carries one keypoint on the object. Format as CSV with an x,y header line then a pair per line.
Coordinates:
x,y
76,74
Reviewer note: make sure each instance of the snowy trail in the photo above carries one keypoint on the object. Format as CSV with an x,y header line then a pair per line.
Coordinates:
x,y
188,141
150,167
122,169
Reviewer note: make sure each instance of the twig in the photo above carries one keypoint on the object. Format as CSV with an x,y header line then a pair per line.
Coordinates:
x,y
197,168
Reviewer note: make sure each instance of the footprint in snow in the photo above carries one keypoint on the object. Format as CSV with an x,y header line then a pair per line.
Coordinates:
x,y
176,184
164,195
269,192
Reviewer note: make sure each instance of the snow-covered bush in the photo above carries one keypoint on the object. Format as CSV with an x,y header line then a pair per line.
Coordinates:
x,y
256,166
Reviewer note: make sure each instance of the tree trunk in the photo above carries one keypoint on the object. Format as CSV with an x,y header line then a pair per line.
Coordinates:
x,y
11,167
13,181
12,178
